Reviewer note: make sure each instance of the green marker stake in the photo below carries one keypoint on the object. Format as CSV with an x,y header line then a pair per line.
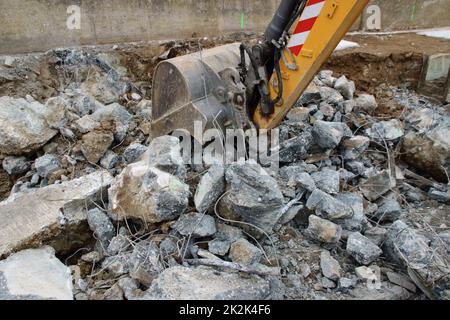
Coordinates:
x,y
414,10
242,20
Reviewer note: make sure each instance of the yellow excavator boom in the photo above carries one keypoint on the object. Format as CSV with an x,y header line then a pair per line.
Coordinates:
x,y
314,37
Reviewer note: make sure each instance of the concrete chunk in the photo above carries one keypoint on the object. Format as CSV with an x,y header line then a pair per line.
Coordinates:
x,y
203,283
29,219
35,274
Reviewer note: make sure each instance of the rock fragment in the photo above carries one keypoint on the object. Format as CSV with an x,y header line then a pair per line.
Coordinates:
x,y
16,165
196,225
109,160
134,152
299,114
346,87
330,267
362,249
311,95
327,180
147,193
328,135
101,226
255,196
243,252
323,230
46,165
219,247
118,115
210,188
354,147
328,207
95,144
377,186
386,131
204,283
23,126
164,153
365,103
35,274
331,95
295,149
145,262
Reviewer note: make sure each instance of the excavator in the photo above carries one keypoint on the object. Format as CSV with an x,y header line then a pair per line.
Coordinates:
x,y
242,86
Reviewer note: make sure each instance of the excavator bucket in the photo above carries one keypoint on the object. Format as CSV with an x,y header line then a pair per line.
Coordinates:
x,y
191,89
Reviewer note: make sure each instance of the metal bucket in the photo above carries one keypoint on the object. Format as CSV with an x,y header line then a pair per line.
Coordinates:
x,y
187,89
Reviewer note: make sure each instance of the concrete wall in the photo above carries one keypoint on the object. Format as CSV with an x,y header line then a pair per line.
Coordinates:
x,y
36,25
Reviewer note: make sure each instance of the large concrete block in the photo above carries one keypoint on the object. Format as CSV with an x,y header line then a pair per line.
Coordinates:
x,y
32,218
35,274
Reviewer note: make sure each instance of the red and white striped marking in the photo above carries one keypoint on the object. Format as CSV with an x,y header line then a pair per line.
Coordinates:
x,y
305,24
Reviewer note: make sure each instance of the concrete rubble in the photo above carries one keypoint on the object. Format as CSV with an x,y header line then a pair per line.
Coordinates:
x,y
360,199
35,274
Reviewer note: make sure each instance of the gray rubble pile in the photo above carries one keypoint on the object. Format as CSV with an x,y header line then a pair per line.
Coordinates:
x,y
347,216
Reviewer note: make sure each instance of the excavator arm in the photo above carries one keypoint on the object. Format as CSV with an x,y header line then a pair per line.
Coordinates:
x,y
311,40
251,86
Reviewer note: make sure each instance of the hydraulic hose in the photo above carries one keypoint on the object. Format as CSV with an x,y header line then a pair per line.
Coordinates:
x,y
281,19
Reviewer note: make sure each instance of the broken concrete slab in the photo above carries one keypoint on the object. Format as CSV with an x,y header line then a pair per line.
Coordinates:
x,y
205,283
36,217
147,193
23,126
430,152
35,274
